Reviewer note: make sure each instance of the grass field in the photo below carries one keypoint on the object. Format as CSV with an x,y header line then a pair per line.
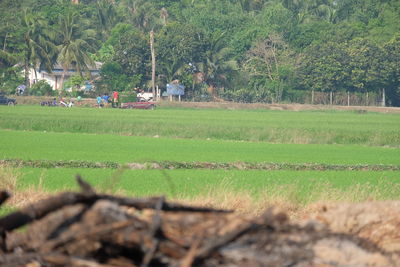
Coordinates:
x,y
125,149
209,136
303,186
303,127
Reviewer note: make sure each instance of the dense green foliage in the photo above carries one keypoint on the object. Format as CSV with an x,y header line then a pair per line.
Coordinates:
x,y
41,88
240,50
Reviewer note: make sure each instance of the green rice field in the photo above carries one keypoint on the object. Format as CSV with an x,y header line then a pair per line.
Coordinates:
x,y
302,127
302,185
181,135
29,145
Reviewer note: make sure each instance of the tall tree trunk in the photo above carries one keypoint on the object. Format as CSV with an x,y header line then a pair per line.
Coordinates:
x,y
153,65
62,79
211,90
279,93
331,98
36,79
26,68
5,42
383,98
312,97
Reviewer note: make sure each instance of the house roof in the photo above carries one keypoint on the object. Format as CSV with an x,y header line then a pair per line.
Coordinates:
x,y
58,67
97,66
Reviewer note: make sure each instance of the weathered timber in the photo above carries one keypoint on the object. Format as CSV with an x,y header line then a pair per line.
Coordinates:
x,y
4,195
86,188
40,209
49,227
50,259
43,207
98,230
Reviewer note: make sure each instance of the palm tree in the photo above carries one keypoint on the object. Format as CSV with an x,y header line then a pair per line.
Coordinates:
x,y
39,46
164,16
328,11
216,64
142,14
75,45
107,16
302,9
250,5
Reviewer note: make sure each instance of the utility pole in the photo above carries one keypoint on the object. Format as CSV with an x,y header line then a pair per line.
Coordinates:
x,y
153,65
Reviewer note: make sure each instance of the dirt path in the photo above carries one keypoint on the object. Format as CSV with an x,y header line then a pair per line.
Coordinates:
x,y
293,107
33,100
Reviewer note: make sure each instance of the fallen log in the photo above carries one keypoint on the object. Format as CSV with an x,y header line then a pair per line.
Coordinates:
x,y
42,208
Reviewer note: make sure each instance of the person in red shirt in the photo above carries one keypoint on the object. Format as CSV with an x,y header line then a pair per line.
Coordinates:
x,y
115,99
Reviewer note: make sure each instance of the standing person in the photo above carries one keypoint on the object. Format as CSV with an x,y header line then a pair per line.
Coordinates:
x,y
99,101
115,99
105,99
79,99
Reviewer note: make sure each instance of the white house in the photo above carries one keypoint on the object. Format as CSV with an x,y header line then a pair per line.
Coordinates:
x,y
54,77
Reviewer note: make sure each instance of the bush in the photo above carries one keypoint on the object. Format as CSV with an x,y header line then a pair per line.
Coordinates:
x,y
241,96
42,88
296,96
128,97
74,82
113,79
10,78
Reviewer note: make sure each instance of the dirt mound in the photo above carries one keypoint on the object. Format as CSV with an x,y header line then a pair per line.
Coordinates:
x,y
89,229
378,222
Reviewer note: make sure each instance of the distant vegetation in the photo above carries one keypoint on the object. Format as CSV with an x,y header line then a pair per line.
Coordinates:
x,y
238,50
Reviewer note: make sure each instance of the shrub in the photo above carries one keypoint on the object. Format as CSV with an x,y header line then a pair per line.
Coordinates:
x,y
241,96
42,88
128,97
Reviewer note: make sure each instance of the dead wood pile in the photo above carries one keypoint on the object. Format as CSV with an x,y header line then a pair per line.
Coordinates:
x,y
89,229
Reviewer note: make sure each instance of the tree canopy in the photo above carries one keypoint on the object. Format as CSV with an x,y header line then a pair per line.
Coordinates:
x,y
242,50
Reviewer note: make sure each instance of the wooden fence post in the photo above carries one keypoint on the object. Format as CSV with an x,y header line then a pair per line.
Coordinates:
x,y
312,97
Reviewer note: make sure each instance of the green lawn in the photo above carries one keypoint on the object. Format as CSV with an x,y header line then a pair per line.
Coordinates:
x,y
123,149
305,127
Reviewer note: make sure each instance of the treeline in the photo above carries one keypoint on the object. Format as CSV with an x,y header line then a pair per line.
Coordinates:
x,y
240,50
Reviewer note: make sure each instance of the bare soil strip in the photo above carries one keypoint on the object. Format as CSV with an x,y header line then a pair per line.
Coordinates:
x,y
292,107
34,100
172,165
